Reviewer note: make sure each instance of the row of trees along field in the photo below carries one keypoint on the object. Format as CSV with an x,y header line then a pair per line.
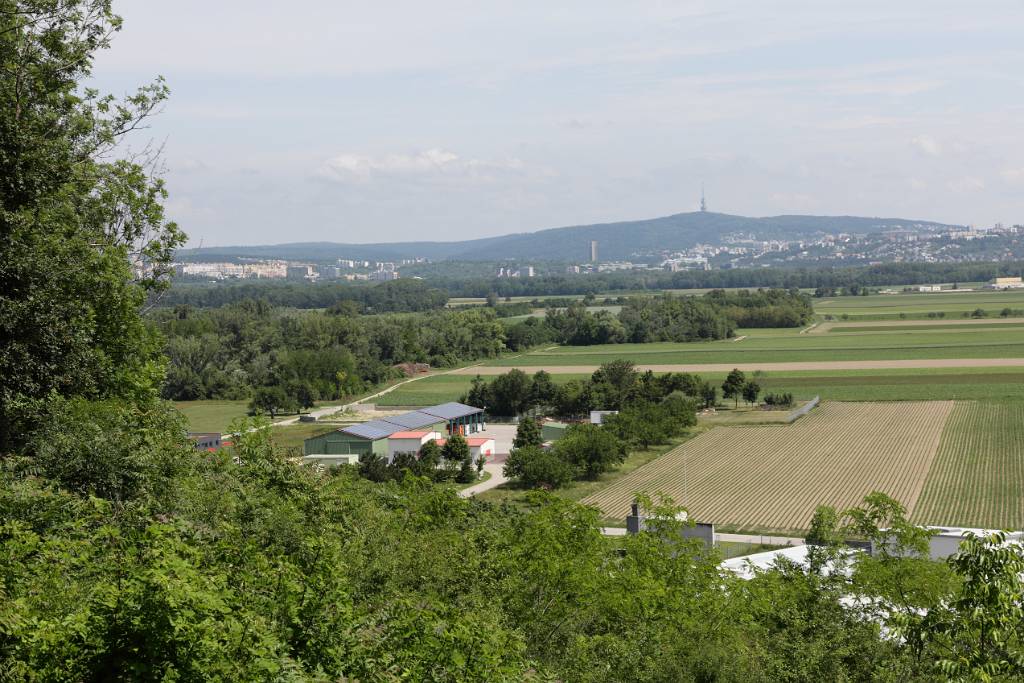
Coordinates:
x,y
664,318
612,386
126,554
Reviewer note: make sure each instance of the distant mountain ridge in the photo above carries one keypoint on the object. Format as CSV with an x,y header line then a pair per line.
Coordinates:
x,y
616,241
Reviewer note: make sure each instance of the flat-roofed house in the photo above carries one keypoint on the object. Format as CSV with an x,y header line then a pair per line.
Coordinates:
x,y
478,446
409,442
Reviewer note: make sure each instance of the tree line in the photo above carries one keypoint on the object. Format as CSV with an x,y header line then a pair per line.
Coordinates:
x,y
288,359
397,296
664,318
781,277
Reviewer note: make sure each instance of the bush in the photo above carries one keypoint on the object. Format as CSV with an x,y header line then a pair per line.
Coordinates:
x,y
591,449
538,468
782,400
111,450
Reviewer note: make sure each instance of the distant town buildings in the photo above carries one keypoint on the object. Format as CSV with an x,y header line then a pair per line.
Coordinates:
x,y
1006,283
299,273
593,251
525,271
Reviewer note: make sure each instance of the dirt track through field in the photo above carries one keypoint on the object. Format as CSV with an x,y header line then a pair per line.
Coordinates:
x,y
913,363
774,477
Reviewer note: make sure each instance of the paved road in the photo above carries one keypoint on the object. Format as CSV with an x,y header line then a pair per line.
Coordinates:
x,y
495,468
910,363
330,410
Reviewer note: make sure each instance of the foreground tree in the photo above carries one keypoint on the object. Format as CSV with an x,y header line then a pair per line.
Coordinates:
x,y
84,238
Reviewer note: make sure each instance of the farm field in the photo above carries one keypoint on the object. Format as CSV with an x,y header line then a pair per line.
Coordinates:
x,y
794,348
995,383
211,416
977,476
773,477
919,305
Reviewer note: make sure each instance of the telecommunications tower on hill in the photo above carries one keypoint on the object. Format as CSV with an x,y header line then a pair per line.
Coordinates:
x,y
703,204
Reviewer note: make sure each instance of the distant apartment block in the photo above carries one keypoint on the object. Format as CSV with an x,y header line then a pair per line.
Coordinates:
x,y
383,275
299,273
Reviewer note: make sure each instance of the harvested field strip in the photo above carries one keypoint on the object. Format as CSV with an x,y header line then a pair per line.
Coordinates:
x,y
774,477
978,474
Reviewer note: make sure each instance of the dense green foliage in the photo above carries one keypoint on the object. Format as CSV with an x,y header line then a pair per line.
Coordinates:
x,y
612,386
230,352
664,318
399,296
71,220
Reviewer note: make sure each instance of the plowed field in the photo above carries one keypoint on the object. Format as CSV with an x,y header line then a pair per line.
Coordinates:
x,y
773,477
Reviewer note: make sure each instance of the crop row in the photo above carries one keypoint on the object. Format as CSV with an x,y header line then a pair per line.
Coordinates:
x,y
774,477
978,473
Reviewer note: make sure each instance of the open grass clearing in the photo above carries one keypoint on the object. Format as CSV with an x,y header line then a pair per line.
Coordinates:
x,y
773,477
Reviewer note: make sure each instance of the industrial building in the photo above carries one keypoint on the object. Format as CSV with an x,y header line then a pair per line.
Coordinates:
x,y
345,445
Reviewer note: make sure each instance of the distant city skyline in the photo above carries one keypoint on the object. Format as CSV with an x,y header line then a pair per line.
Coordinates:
x,y
442,121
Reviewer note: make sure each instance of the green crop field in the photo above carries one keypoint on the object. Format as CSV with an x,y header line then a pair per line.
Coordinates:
x,y
838,385
919,305
211,416
987,343
978,472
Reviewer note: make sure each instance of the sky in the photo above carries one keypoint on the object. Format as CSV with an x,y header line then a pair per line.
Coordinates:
x,y
443,120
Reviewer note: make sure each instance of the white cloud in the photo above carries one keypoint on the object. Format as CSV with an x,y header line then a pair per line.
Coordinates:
x,y
917,183
927,144
895,88
432,162
1014,176
966,184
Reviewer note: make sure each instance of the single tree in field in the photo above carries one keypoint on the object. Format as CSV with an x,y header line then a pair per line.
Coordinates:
x,y
528,433
733,385
751,390
270,400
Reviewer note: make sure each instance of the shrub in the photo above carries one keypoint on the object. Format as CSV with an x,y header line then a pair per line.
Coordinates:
x,y
538,468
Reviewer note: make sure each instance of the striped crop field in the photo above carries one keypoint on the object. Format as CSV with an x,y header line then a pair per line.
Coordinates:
x,y
977,479
773,477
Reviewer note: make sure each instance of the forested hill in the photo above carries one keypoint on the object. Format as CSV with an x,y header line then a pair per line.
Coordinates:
x,y
615,240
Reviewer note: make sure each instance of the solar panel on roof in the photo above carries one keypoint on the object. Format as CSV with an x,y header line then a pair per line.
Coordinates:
x,y
451,411
374,429
412,420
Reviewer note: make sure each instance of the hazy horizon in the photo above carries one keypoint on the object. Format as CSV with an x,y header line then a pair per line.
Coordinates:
x,y
409,122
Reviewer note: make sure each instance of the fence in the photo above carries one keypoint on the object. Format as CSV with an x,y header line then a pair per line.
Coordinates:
x,y
803,410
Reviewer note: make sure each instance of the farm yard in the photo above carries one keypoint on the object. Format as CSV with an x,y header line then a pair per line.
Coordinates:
x,y
773,477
